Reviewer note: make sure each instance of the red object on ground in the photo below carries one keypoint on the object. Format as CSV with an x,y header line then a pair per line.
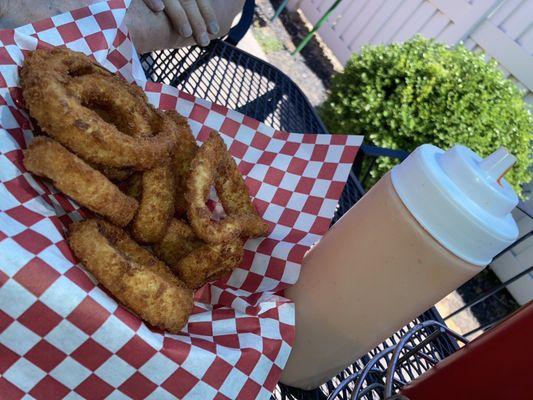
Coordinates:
x,y
497,365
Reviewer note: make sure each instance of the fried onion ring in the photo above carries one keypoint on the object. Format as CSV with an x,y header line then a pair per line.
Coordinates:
x,y
61,99
135,277
194,261
115,101
213,163
156,203
235,198
179,241
209,263
182,157
115,174
71,175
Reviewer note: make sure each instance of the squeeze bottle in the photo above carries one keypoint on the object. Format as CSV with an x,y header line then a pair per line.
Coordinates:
x,y
429,225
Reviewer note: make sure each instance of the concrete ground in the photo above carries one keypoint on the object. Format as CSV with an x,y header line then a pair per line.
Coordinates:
x,y
461,323
249,44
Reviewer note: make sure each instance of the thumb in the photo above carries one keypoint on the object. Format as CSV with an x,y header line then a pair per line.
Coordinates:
x,y
155,5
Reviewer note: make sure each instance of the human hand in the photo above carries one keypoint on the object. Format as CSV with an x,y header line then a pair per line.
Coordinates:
x,y
189,17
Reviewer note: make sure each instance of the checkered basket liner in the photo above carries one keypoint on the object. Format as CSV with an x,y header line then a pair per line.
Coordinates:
x,y
63,336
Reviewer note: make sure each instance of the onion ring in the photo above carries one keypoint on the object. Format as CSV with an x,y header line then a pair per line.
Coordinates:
x,y
115,101
156,204
62,108
71,175
194,261
115,174
135,277
211,159
235,198
179,241
208,263
182,158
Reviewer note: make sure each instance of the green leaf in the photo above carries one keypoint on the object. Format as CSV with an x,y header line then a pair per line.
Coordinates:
x,y
403,95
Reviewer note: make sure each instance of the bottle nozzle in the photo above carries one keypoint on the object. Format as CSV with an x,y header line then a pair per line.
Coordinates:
x,y
455,195
498,163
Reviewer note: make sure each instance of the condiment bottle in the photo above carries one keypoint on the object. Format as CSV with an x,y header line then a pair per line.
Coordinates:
x,y
425,228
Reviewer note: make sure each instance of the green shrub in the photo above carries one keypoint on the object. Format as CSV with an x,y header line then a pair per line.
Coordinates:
x,y
403,95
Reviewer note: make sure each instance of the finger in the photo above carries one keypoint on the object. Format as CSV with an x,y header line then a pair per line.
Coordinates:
x,y
155,5
178,17
197,22
210,19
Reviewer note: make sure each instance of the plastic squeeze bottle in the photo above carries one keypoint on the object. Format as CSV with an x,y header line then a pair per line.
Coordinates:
x,y
425,228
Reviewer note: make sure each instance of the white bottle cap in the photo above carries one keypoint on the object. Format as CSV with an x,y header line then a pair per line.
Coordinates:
x,y
461,199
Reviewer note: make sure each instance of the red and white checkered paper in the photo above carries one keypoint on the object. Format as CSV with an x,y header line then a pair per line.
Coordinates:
x,y
62,336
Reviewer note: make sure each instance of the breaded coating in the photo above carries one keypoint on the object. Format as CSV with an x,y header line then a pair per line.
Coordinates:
x,y
117,102
135,277
72,176
156,205
114,174
208,263
182,157
235,198
205,169
73,110
179,240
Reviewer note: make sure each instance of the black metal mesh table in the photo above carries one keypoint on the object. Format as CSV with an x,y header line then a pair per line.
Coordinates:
x,y
223,74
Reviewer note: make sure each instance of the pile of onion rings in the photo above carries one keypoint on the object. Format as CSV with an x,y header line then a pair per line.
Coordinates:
x,y
140,170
